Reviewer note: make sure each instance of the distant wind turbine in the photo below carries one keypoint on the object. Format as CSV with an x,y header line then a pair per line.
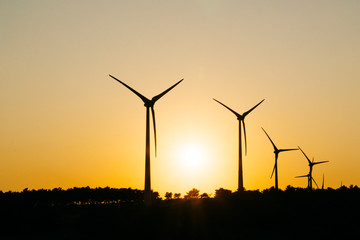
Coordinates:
x,y
311,164
149,104
310,179
241,118
277,151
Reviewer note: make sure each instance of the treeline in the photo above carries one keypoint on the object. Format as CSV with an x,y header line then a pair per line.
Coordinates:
x,y
107,195
71,196
293,213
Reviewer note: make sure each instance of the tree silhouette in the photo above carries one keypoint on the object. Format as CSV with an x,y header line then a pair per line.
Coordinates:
x,y
204,195
222,193
192,194
168,195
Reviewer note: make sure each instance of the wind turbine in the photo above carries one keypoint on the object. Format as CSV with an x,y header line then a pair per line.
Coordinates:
x,y
241,118
310,179
277,151
149,104
311,164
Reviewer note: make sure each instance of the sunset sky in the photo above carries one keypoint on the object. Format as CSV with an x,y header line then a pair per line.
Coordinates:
x,y
65,123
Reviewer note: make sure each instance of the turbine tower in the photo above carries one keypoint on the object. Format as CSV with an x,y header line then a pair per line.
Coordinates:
x,y
149,104
277,151
311,164
241,118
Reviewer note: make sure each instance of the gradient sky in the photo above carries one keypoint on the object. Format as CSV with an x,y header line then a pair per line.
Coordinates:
x,y
64,122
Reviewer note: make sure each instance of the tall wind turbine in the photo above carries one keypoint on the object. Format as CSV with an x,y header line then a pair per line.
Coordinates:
x,y
277,151
149,104
311,164
241,118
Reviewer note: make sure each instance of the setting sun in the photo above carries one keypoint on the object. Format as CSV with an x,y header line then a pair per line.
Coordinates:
x,y
192,157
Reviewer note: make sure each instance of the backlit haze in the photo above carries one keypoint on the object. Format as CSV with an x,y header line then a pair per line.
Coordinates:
x,y
65,123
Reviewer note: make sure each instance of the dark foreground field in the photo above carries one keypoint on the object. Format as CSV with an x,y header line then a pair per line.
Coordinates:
x,y
290,214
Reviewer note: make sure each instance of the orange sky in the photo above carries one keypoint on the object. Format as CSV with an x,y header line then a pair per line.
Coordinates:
x,y
64,122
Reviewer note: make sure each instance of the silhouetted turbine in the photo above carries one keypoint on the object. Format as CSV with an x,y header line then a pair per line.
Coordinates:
x,y
310,179
149,104
311,164
276,151
241,118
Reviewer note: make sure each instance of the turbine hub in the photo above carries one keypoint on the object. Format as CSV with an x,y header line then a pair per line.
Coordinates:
x,y
148,104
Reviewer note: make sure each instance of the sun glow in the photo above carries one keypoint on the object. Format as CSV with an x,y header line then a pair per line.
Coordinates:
x,y
192,157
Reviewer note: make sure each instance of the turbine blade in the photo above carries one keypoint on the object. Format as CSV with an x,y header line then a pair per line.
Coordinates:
x,y
246,113
302,176
305,155
153,115
315,182
275,148
237,114
272,173
131,89
291,149
314,163
244,137
157,97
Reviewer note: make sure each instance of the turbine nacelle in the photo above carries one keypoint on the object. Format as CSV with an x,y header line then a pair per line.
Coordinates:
x,y
149,103
240,117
